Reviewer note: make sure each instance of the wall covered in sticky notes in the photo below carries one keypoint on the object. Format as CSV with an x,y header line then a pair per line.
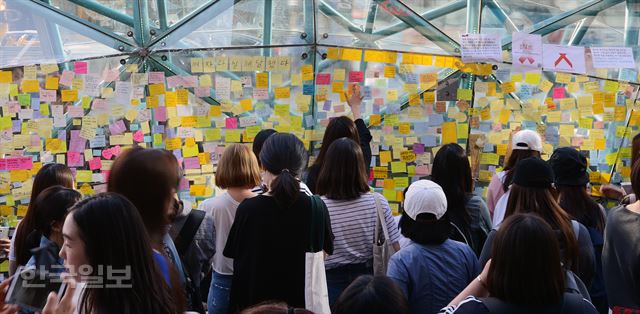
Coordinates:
x,y
412,103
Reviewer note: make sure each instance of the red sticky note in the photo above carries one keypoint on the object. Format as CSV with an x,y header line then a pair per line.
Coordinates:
x,y
95,163
558,92
356,76
80,67
323,79
231,123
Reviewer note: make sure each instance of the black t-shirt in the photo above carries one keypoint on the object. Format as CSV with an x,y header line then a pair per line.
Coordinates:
x,y
473,305
268,243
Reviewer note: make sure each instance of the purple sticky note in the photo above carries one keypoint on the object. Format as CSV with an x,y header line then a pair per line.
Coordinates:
x,y
77,143
418,148
117,127
191,163
327,105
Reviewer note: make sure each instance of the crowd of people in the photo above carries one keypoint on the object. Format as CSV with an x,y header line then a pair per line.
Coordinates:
x,y
540,244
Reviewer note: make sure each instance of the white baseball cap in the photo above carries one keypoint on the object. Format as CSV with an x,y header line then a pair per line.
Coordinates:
x,y
425,196
527,140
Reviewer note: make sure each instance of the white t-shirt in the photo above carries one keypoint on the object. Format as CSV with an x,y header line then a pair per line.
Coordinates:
x,y
501,209
223,209
12,249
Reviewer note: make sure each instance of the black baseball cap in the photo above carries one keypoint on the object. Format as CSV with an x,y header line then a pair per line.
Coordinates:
x,y
569,167
533,172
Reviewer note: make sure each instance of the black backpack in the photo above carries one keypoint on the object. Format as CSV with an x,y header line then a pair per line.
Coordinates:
x,y
182,242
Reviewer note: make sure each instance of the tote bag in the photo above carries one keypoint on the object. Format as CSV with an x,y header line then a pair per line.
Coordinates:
x,y
382,247
316,295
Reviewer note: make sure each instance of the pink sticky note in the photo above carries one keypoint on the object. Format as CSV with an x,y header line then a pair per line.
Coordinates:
x,y
191,163
378,101
231,123
110,75
160,114
356,76
107,154
95,163
77,143
370,174
75,112
116,150
422,170
66,78
47,95
203,91
3,164
184,184
138,136
156,77
26,163
74,159
323,79
558,92
260,93
105,175
174,81
190,81
80,67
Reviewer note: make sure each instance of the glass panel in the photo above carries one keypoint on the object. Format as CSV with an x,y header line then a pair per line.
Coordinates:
x,y
525,13
30,38
103,18
175,10
243,25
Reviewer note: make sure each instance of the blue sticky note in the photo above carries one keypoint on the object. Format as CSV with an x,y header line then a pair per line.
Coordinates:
x,y
308,89
428,140
435,120
134,127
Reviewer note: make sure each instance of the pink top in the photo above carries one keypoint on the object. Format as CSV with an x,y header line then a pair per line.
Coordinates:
x,y
495,191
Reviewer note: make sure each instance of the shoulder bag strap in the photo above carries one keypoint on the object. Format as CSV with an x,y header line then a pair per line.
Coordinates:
x,y
316,227
188,231
380,219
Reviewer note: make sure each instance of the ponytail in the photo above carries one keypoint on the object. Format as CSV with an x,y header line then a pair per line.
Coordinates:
x,y
285,187
283,155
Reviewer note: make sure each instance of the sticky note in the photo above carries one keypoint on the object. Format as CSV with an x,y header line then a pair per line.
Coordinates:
x,y
449,133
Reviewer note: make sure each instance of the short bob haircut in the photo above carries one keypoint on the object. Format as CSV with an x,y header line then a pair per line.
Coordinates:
x,y
372,295
148,178
526,267
343,175
238,167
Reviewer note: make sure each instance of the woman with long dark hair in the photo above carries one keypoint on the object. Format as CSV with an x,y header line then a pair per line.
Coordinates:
x,y
468,212
525,274
50,210
532,192
354,212
524,144
270,233
432,269
49,175
149,179
123,275
571,180
341,127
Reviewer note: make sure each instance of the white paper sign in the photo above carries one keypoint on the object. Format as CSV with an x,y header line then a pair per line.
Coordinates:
x,y
527,52
481,48
613,58
564,58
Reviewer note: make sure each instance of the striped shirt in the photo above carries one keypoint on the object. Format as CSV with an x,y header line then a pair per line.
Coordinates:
x,y
353,223
303,188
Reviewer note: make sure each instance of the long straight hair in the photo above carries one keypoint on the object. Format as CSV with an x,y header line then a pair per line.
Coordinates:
x,y
343,175
542,202
50,207
526,267
580,206
635,149
451,171
284,155
48,176
127,246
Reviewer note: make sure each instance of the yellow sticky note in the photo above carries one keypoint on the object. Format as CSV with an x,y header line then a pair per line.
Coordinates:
x,y
351,54
262,80
69,95
532,78
51,82
30,86
449,133
508,87
307,72
398,167
282,92
389,71
385,156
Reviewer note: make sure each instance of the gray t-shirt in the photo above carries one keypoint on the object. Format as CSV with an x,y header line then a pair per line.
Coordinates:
x,y
621,258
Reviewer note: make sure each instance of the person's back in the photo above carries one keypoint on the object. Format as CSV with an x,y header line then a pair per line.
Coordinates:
x,y
269,255
621,257
432,275
571,304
